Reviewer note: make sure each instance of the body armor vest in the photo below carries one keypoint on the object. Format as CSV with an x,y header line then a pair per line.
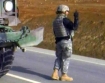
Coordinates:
x,y
58,27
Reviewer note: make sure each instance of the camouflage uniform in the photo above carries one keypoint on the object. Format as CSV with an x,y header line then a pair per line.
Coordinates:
x,y
63,46
63,29
63,54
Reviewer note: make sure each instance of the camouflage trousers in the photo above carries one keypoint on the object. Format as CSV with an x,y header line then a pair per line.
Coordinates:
x,y
63,54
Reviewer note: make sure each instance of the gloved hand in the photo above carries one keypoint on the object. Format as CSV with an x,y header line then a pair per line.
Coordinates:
x,y
76,14
76,20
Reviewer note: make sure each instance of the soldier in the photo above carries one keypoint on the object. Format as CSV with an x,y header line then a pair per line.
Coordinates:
x,y
63,28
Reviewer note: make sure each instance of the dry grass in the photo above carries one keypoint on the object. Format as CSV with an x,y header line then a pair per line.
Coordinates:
x,y
89,40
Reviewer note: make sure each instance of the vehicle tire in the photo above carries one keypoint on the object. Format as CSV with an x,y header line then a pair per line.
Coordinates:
x,y
6,60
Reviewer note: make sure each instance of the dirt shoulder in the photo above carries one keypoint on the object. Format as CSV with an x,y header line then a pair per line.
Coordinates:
x,y
89,39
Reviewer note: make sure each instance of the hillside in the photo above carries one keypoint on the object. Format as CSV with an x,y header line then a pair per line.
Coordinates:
x,y
89,40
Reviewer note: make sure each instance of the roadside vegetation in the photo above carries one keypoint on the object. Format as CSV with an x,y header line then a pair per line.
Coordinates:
x,y
89,39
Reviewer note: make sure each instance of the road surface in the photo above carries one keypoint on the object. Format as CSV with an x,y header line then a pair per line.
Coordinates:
x,y
36,66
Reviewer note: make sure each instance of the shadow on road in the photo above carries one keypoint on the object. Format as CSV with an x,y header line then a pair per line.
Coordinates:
x,y
24,70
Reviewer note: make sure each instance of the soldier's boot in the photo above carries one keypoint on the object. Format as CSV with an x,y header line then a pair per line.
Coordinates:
x,y
65,77
55,75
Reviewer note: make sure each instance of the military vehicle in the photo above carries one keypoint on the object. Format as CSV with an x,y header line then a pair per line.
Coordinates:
x,y
10,39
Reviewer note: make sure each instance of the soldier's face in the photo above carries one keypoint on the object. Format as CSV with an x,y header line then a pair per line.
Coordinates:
x,y
67,12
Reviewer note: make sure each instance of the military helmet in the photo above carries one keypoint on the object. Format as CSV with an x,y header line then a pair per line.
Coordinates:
x,y
62,8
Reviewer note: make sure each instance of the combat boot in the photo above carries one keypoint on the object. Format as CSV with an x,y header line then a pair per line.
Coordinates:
x,y
55,75
65,77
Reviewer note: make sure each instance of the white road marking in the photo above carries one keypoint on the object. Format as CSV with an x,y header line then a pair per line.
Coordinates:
x,y
88,60
22,78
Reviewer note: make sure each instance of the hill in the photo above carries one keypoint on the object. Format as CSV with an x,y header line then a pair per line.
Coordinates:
x,y
89,40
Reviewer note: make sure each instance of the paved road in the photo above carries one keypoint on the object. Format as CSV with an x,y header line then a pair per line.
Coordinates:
x,y
34,67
